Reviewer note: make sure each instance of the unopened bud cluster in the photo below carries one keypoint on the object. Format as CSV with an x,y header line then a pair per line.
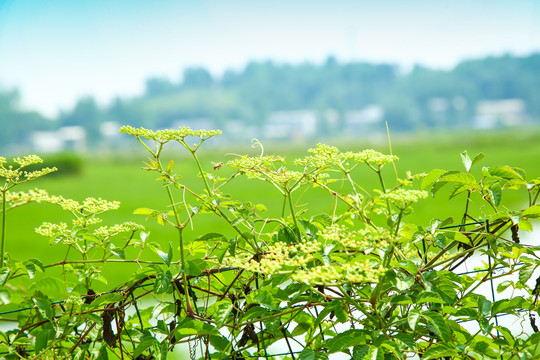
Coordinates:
x,y
164,136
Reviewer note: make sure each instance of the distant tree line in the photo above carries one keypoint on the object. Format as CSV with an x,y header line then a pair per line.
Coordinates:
x,y
251,94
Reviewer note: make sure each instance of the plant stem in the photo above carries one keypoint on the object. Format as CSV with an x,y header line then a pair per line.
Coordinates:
x,y
2,244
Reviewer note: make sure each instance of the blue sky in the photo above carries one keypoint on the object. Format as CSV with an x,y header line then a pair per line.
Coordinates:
x,y
55,51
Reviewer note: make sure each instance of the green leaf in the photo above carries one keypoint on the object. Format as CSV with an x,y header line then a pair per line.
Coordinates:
x,y
439,324
170,166
431,178
188,327
506,172
44,305
219,342
309,354
466,161
223,310
143,211
163,282
401,300
439,351
429,297
42,340
4,274
495,190
345,340
211,237
5,296
265,298
374,353
477,159
195,267
146,342
413,318
406,339
300,329
460,178
531,212
359,352
31,264
525,273
118,252
525,224
165,256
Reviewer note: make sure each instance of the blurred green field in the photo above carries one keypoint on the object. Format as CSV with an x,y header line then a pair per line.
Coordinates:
x,y
119,177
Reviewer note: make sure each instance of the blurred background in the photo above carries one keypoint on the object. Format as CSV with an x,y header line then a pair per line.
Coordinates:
x,y
71,73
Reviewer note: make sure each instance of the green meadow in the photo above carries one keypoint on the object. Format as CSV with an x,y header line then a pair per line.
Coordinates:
x,y
120,177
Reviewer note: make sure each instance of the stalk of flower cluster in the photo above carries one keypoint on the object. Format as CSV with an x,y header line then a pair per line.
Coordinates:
x,y
3,228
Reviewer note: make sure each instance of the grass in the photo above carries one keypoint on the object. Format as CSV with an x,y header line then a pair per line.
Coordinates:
x,y
120,178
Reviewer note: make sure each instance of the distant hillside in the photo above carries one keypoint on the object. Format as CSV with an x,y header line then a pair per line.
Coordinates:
x,y
307,100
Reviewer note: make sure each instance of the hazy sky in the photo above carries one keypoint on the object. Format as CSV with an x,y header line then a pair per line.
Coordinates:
x,y
55,51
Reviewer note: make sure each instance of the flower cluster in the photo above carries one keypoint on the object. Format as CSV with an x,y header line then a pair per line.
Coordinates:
x,y
106,231
164,136
58,232
14,199
325,156
339,274
402,198
280,257
90,206
363,240
250,165
14,175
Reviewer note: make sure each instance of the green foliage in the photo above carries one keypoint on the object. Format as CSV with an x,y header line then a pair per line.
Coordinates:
x,y
360,279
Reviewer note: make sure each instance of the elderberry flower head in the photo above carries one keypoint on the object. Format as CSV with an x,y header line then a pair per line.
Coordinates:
x,y
402,198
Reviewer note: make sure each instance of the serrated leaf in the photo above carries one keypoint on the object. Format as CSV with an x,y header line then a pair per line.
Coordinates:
x,y
143,346
300,329
401,300
466,161
439,324
439,351
31,265
374,353
223,310
506,172
504,285
525,273
170,166
42,339
495,191
531,212
195,267
406,339
162,282
106,299
429,297
143,211
219,342
309,354
345,340
5,296
462,238
460,178
44,306
431,178
477,158
4,274
525,224
118,252
211,237
413,318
